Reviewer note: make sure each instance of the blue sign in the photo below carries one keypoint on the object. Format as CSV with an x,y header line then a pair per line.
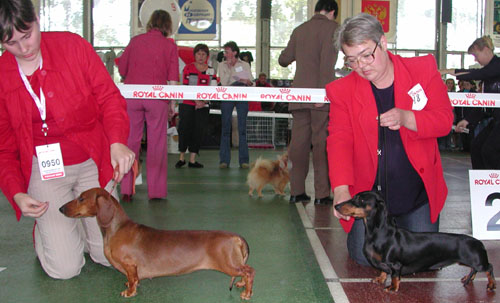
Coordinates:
x,y
198,18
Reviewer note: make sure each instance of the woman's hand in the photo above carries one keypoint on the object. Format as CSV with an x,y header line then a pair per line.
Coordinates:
x,y
396,117
199,104
171,109
461,126
29,206
122,156
340,194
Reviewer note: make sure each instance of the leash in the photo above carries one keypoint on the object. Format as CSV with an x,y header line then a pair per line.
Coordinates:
x,y
382,143
115,182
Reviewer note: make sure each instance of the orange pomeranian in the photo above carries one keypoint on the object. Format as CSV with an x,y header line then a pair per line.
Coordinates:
x,y
266,171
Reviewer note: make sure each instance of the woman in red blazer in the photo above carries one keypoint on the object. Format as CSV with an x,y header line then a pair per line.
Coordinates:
x,y
399,106
83,126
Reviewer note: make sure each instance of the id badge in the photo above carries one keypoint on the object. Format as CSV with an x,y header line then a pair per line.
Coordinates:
x,y
50,161
419,98
193,79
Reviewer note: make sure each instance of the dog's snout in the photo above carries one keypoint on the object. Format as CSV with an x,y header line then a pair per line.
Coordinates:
x,y
337,207
61,209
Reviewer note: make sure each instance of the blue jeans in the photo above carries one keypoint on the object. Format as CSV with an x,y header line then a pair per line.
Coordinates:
x,y
418,220
226,108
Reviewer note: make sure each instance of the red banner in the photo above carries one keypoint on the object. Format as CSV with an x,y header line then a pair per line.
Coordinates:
x,y
380,10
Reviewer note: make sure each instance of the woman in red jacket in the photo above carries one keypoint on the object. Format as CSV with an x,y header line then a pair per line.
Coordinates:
x,y
193,114
63,130
385,118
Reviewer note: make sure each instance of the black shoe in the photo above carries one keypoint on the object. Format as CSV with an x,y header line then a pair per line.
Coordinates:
x,y
324,201
195,165
180,164
300,198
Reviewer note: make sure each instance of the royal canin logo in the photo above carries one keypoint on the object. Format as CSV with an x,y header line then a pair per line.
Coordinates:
x,y
494,175
157,87
470,96
221,89
284,90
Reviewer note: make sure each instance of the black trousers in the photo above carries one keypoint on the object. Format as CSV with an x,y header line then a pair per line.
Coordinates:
x,y
485,148
192,125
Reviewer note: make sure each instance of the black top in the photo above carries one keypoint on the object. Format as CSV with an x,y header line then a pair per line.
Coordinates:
x,y
405,189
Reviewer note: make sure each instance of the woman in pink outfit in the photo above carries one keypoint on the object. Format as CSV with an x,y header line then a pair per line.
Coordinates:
x,y
150,58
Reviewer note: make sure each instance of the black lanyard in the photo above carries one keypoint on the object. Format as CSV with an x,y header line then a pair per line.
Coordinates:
x,y
382,144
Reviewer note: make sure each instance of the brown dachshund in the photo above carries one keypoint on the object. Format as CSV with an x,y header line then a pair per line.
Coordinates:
x,y
139,251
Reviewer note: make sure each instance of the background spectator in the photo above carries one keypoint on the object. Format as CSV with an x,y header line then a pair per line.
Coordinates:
x,y
311,46
150,58
234,71
193,114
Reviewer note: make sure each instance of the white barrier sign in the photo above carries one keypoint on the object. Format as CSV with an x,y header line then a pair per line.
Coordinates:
x,y
270,94
485,203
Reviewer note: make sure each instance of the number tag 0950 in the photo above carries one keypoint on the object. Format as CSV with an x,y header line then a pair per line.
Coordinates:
x,y
50,161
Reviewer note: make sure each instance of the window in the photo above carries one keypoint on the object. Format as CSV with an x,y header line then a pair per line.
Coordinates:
x,y
416,24
465,26
238,22
62,15
454,60
285,16
111,22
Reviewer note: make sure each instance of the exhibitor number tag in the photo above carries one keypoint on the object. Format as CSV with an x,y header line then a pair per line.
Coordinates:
x,y
419,98
50,161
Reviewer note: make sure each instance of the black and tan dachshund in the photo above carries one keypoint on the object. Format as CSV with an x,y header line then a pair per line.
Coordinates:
x,y
396,251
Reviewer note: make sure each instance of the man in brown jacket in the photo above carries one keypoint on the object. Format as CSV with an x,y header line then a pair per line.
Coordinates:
x,y
311,46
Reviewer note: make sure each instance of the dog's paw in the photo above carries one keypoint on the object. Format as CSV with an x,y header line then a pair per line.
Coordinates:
x,y
127,293
246,295
391,289
467,279
380,279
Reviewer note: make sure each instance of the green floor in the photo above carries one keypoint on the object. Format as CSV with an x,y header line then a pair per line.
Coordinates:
x,y
208,198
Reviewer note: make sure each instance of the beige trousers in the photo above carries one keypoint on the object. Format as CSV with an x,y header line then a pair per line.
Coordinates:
x,y
60,241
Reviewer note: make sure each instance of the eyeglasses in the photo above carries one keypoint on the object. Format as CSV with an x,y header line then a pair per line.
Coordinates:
x,y
366,59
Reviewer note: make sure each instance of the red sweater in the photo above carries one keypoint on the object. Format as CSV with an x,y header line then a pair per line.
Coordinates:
x,y
150,58
85,103
203,78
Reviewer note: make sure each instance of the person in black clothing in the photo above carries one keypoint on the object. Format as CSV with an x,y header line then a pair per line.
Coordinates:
x,y
485,147
465,139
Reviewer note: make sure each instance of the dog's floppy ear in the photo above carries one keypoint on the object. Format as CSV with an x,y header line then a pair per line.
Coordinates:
x,y
378,196
105,210
380,203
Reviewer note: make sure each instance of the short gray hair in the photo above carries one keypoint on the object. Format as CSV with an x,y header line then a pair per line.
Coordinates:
x,y
358,29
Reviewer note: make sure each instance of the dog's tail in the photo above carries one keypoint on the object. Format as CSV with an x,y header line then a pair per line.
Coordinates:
x,y
259,164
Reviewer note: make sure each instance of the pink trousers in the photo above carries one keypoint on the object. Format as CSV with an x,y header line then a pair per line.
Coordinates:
x,y
155,113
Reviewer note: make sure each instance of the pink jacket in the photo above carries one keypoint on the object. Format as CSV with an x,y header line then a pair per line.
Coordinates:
x,y
150,58
90,110
353,130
